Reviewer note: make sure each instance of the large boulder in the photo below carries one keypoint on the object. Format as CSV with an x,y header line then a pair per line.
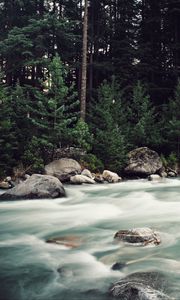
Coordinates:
x,y
143,162
36,187
63,169
138,236
111,177
140,286
79,179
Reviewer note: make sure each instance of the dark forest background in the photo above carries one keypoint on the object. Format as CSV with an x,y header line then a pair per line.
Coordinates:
x,y
133,91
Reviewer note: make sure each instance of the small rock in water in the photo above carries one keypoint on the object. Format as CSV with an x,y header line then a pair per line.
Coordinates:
x,y
68,241
172,174
138,236
111,177
154,177
118,266
4,185
80,179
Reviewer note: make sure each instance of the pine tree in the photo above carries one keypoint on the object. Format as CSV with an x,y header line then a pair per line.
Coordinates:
x,y
142,119
174,121
52,111
8,142
84,62
109,140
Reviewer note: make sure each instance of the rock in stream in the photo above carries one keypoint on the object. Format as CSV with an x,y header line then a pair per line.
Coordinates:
x,y
140,286
138,236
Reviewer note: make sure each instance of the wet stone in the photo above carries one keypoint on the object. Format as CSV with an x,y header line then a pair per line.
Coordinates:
x,y
118,266
138,236
140,286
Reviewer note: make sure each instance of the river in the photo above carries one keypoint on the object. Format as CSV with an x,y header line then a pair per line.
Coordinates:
x,y
31,269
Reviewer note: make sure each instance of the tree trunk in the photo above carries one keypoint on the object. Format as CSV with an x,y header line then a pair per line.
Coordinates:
x,y
84,63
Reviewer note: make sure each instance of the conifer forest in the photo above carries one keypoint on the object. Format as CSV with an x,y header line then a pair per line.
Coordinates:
x,y
102,76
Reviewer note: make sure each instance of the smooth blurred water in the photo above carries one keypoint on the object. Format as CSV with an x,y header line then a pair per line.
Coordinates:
x,y
29,266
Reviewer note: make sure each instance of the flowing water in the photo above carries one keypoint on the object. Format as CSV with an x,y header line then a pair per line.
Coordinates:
x,y
31,269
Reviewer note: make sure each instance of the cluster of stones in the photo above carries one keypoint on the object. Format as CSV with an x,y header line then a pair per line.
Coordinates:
x,y
142,162
69,170
141,285
50,185
137,286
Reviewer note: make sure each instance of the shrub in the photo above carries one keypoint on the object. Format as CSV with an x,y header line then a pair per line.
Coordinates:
x,y
91,162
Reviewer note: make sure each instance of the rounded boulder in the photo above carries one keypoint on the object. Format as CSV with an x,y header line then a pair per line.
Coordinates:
x,y
143,162
63,168
36,187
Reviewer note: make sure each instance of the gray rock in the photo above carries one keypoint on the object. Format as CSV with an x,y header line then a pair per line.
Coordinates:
x,y
154,177
143,162
98,178
36,187
138,236
63,169
111,177
8,179
172,174
4,185
140,286
87,173
79,179
26,176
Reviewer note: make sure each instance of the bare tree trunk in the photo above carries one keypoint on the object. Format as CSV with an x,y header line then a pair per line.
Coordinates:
x,y
84,63
91,52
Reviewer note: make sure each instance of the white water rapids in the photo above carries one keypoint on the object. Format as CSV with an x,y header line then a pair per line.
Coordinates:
x,y
31,269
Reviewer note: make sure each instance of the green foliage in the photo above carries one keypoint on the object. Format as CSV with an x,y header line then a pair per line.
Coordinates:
x,y
141,116
173,126
109,140
91,162
81,136
39,103
170,161
50,111
8,141
33,155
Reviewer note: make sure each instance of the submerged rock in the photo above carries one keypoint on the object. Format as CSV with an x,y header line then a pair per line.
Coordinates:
x,y
68,241
143,162
138,236
63,169
65,272
79,179
36,187
118,266
111,177
140,286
